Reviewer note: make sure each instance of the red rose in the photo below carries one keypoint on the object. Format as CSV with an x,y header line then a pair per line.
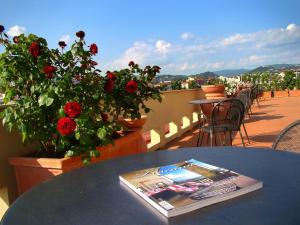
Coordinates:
x,y
72,109
1,29
111,76
94,49
131,86
104,117
131,63
16,39
34,49
49,69
109,85
80,34
62,44
66,126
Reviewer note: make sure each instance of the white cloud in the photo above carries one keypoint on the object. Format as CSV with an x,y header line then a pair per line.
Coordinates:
x,y
137,53
291,27
16,30
66,38
162,46
235,39
187,36
277,45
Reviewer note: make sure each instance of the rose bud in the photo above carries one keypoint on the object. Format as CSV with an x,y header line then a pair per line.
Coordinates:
x,y
131,63
16,39
93,63
156,69
80,34
1,29
62,44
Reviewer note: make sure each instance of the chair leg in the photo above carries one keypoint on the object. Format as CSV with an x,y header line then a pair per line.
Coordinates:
x,y
257,102
230,137
216,140
242,138
250,110
246,132
200,138
211,138
221,142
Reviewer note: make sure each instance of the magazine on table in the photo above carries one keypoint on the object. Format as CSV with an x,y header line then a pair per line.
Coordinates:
x,y
186,186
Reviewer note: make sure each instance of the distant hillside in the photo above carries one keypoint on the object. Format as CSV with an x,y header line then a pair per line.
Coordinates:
x,y
274,68
205,75
163,78
233,72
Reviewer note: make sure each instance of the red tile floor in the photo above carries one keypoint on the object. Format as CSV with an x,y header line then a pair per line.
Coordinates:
x,y
266,122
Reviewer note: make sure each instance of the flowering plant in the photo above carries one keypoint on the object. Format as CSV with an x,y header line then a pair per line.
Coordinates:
x,y
60,99
55,95
127,90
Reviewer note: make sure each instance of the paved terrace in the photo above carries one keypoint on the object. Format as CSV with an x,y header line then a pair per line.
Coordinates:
x,y
266,122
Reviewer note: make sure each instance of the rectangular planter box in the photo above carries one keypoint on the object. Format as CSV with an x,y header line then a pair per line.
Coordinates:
x,y
32,171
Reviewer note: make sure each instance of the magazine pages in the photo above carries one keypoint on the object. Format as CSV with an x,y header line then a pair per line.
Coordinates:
x,y
186,186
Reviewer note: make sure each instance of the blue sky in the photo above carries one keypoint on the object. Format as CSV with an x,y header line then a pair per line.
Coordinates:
x,y
182,37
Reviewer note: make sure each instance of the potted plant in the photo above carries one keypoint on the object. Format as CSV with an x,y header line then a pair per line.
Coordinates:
x,y
213,89
56,98
126,92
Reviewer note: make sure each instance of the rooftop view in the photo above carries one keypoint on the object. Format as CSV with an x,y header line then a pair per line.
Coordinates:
x,y
166,97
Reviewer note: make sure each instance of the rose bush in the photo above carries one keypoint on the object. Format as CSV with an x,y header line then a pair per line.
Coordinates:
x,y
59,98
127,90
55,95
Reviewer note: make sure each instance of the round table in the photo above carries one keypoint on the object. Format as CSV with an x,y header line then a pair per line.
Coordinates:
x,y
94,194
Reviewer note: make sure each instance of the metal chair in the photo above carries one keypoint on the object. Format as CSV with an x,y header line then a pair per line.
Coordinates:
x,y
244,99
289,138
226,116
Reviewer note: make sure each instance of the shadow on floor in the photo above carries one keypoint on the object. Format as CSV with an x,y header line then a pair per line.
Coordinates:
x,y
258,118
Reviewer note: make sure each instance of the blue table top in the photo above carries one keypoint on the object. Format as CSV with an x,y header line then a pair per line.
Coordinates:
x,y
94,194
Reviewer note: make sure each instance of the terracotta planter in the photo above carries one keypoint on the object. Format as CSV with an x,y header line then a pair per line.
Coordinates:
x,y
133,124
32,171
214,91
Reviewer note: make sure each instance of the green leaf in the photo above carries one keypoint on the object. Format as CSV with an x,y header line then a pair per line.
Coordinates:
x,y
84,139
69,153
24,135
42,99
32,89
86,160
101,133
94,153
9,126
49,101
77,135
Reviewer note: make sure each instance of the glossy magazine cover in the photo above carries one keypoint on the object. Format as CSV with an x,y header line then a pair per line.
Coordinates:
x,y
186,183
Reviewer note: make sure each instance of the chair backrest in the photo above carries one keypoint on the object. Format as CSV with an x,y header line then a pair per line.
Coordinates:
x,y
244,99
229,112
289,138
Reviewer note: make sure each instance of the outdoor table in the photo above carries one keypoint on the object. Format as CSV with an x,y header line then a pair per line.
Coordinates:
x,y
206,101
94,194
206,105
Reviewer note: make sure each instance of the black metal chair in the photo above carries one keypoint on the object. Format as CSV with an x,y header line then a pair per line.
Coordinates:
x,y
289,138
244,99
226,116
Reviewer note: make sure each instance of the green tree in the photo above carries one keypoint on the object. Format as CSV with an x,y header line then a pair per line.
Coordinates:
x,y
289,80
